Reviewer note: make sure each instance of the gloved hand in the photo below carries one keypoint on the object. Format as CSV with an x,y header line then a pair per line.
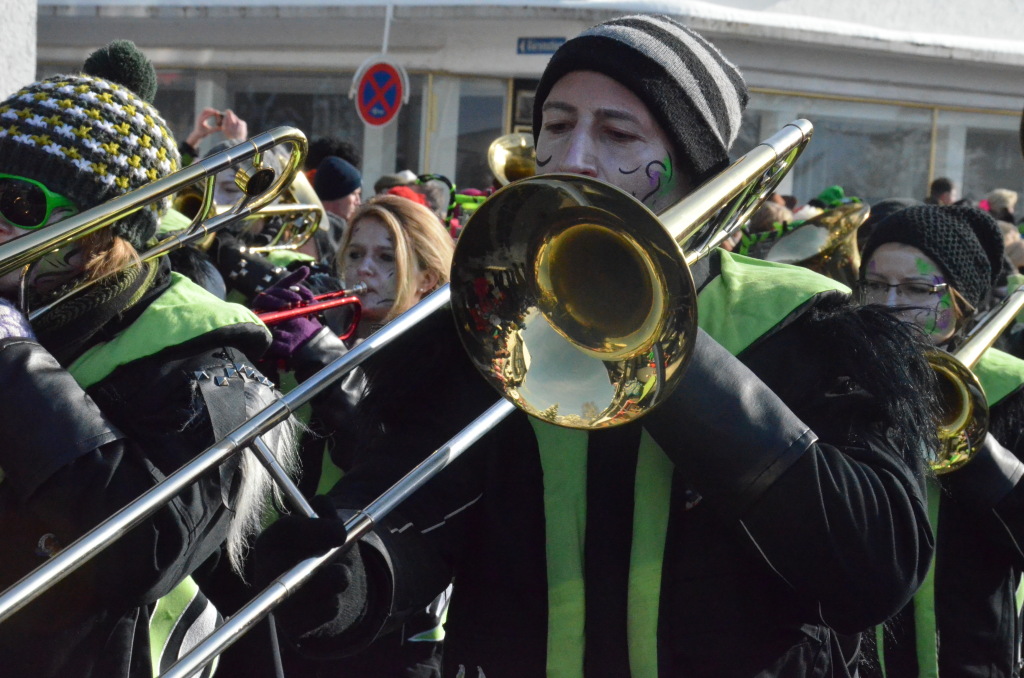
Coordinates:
x,y
333,598
289,335
13,322
725,429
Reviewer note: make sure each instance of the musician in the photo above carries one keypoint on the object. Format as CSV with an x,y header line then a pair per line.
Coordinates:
x,y
113,390
770,504
935,266
400,250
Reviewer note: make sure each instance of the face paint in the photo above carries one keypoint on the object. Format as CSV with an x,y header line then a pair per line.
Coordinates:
x,y
911,276
594,126
369,257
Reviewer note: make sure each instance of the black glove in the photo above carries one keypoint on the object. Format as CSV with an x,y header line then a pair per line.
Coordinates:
x,y
244,271
725,429
334,598
988,477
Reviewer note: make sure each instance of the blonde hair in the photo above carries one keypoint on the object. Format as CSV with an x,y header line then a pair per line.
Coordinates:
x,y
421,243
104,253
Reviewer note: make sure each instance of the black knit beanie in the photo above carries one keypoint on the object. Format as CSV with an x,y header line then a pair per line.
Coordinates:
x,y
335,178
91,139
695,93
964,241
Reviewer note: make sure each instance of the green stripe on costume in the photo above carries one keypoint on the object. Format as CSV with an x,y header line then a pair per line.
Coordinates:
x,y
284,258
183,312
166,613
563,456
924,601
1000,374
652,496
751,297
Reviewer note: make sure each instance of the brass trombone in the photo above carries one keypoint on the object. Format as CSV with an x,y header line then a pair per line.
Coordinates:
x,y
260,185
512,157
965,408
576,210
826,244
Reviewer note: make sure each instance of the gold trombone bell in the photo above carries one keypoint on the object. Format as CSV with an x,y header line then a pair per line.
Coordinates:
x,y
512,157
576,302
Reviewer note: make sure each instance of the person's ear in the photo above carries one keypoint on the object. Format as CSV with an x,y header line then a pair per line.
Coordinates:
x,y
428,281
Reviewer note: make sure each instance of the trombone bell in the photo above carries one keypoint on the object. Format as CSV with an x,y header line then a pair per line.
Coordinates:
x,y
512,157
965,413
573,301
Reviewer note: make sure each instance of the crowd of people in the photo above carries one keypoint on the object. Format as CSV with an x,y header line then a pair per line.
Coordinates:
x,y
784,511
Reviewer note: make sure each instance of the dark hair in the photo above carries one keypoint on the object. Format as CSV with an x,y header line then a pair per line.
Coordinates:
x,y
940,186
322,147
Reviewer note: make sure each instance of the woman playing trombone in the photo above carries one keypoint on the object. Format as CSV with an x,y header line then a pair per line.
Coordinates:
x,y
114,388
935,266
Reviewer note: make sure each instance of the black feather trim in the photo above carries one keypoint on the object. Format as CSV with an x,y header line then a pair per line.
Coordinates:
x,y
833,346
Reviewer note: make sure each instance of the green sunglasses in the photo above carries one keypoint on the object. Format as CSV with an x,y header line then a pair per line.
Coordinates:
x,y
28,204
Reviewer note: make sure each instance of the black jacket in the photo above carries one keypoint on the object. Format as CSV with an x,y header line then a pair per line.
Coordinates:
x,y
771,550
978,565
72,457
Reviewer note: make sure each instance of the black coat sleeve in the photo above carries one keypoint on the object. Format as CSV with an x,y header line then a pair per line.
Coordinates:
x,y
419,392
990,485
76,458
811,462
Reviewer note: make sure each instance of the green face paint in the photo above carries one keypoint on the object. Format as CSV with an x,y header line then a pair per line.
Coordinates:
x,y
669,174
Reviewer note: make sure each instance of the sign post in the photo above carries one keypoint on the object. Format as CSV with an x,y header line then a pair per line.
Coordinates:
x,y
380,87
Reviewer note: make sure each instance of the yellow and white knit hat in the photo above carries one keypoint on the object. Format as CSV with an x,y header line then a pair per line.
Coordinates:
x,y
90,140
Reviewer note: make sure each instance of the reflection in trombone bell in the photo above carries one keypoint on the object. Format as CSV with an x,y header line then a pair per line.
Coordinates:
x,y
826,243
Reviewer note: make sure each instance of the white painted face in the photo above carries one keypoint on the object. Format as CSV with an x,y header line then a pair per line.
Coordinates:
x,y
370,258
904,278
594,126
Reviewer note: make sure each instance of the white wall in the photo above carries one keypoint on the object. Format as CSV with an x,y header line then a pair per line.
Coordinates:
x,y
18,37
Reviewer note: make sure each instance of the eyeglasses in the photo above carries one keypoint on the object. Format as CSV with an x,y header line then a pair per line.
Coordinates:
x,y
28,204
874,291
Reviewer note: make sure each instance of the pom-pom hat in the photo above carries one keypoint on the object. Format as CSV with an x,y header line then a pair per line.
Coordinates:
x,y
89,139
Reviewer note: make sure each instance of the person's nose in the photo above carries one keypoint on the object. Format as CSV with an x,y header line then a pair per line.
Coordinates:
x,y
892,297
580,154
365,269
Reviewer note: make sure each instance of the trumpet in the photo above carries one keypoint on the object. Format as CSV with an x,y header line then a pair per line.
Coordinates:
x,y
319,304
965,408
567,209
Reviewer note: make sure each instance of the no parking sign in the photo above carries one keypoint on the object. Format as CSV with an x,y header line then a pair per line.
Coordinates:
x,y
380,87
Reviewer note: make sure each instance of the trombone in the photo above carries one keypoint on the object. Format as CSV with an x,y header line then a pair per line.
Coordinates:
x,y
260,185
965,408
581,211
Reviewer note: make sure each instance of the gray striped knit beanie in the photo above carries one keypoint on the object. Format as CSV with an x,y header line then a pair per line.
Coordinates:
x,y
90,140
695,93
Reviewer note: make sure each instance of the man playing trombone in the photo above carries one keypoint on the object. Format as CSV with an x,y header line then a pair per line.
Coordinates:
x,y
751,525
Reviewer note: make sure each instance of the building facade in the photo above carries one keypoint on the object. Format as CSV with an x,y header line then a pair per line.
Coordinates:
x,y
898,93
